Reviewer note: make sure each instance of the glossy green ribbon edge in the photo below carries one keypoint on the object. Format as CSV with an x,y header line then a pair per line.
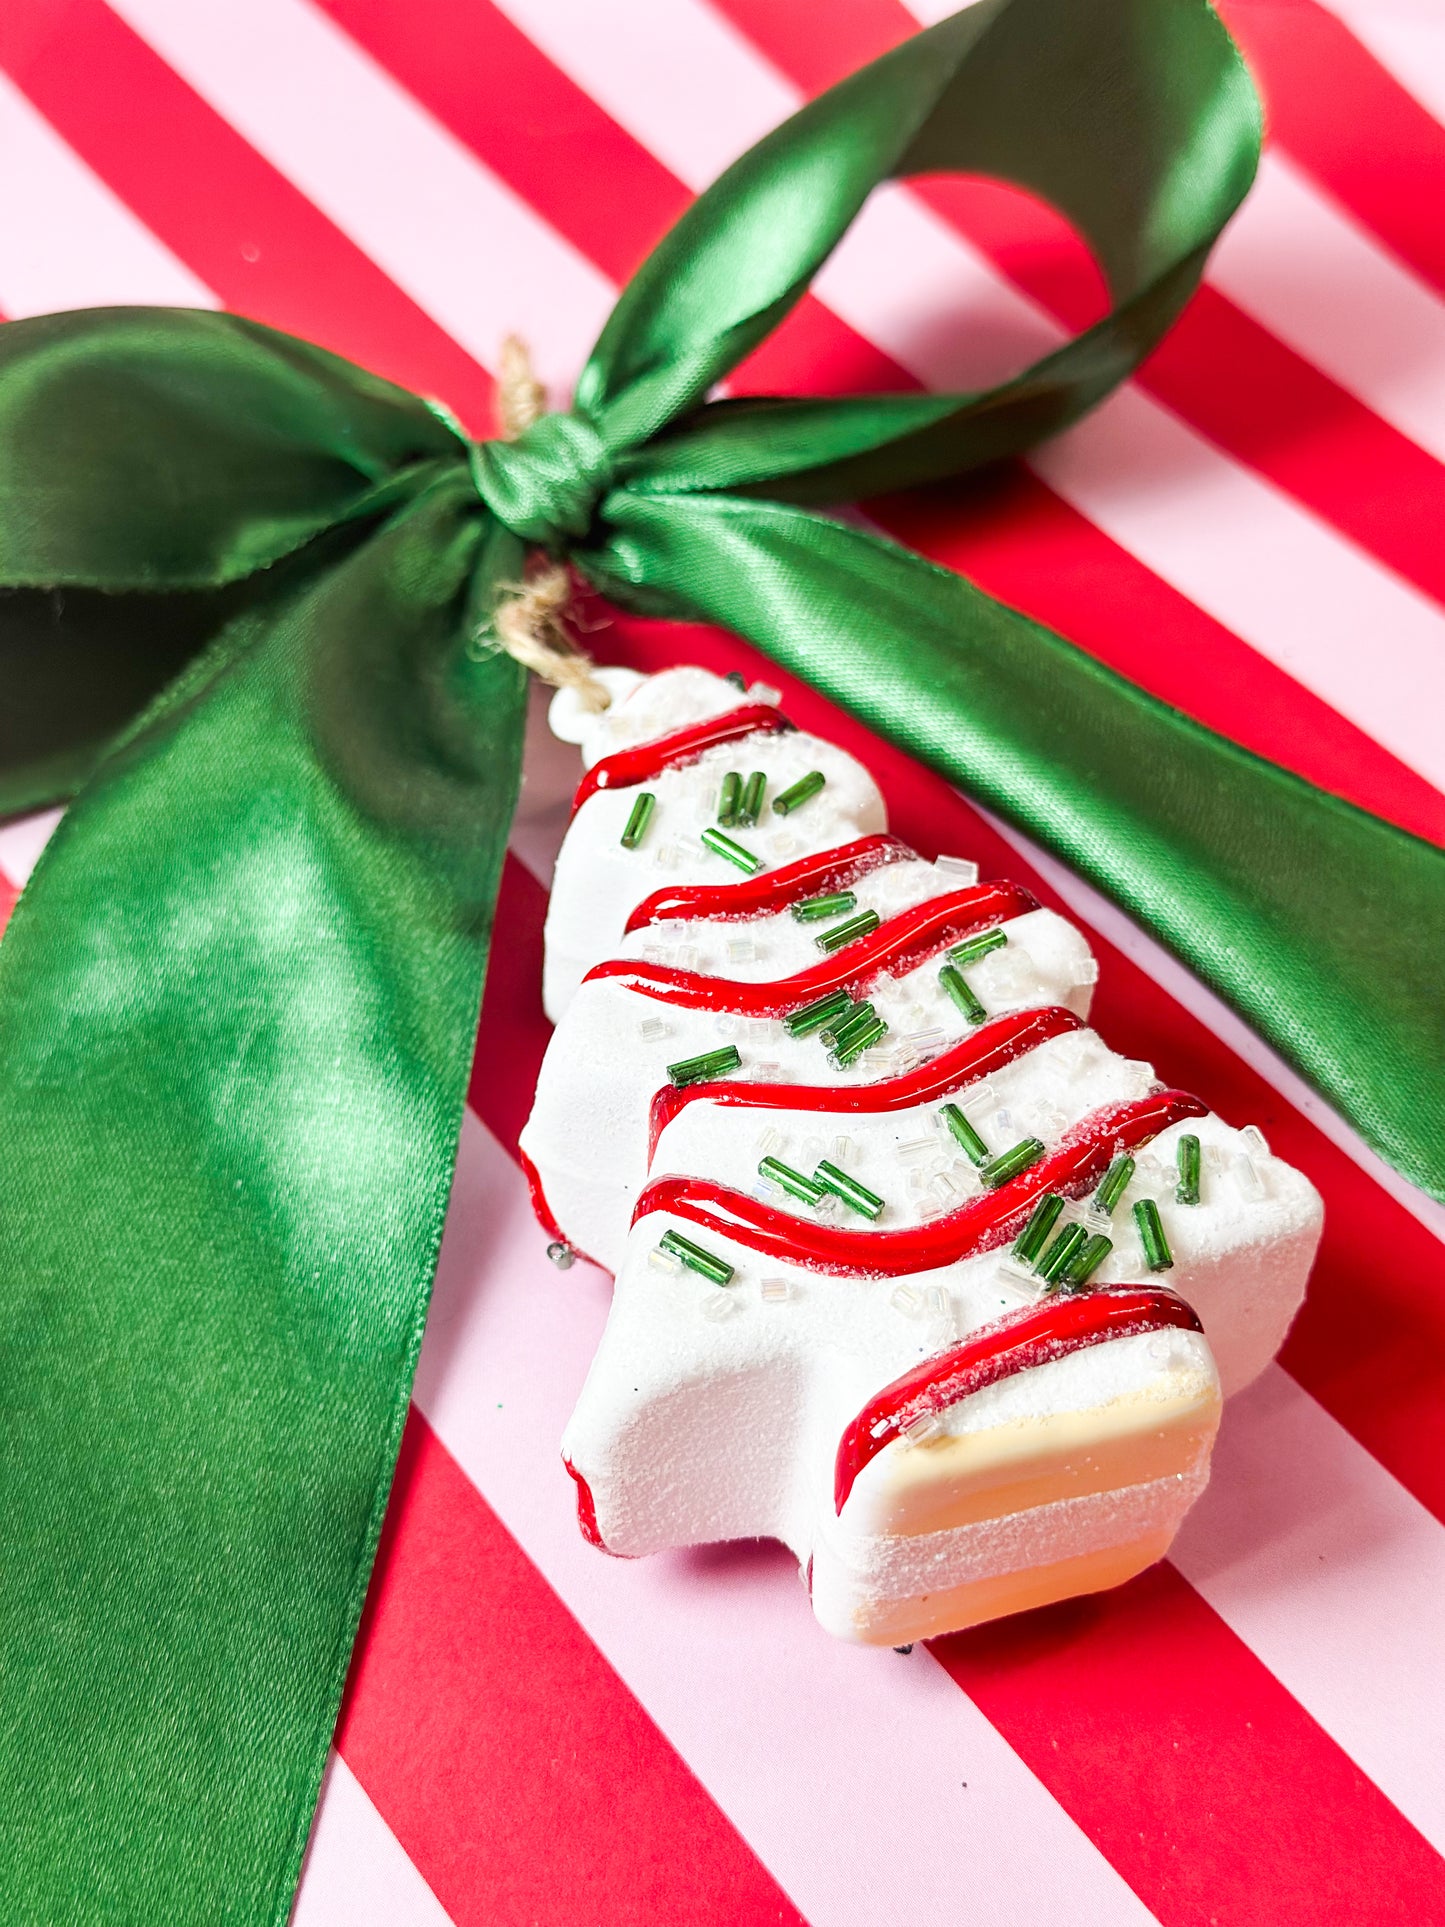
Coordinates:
x,y
238,996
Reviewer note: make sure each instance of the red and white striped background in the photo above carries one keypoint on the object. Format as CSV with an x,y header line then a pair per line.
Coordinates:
x,y
1252,530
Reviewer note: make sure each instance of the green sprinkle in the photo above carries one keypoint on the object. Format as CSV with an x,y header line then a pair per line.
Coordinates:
x,y
810,1017
1157,1254
1187,1190
695,1258
728,798
965,1134
862,925
712,1063
638,821
1086,1261
856,1196
1116,1182
1060,1254
814,909
793,1182
1034,1236
737,679
972,948
855,1017
751,806
841,1056
1008,1164
961,994
794,798
734,852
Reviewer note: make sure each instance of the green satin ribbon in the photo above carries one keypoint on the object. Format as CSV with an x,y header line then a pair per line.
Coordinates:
x,y
238,998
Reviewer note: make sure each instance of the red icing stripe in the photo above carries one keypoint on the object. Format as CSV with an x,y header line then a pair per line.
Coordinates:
x,y
587,1510
979,1055
774,890
902,942
980,1225
646,760
1033,1335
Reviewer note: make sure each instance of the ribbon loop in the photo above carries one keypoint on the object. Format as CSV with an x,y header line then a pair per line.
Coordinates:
x,y
545,486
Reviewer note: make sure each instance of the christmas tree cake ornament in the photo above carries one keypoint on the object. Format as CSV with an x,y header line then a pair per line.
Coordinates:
x,y
981,1398
238,995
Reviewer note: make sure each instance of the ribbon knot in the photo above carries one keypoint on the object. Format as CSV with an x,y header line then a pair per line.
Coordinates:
x,y
545,485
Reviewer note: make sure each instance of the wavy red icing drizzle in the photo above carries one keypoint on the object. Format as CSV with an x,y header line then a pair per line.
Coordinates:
x,y
541,1210
987,1050
981,1224
774,890
1034,1335
646,760
901,943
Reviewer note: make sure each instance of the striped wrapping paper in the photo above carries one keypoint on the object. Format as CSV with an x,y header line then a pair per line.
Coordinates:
x,y
1252,530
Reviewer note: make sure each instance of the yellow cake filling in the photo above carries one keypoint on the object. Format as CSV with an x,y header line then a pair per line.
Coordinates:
x,y
960,1479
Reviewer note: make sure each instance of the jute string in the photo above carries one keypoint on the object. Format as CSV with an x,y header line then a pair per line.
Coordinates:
x,y
531,618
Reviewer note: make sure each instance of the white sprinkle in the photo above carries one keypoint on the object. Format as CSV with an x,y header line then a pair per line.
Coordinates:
x,y
842,1152
661,1260
764,692
924,1428
726,1026
783,844
827,1206
1086,972
775,1291
939,1302
931,1207
812,1149
767,1070
977,1101
905,1299
1255,1141
1016,1274
958,870
770,1142
1214,1158
917,1148
766,1192
718,1305
926,1043
1247,1180
1140,1075
742,950
652,1029
1003,1118
943,1186
666,856
1099,1222
686,958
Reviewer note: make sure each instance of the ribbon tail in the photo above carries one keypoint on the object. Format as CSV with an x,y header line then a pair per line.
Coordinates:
x,y
1320,924
240,998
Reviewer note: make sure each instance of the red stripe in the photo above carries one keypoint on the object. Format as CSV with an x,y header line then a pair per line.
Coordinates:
x,y
9,897
974,1057
1033,1335
237,223
1207,1786
774,890
982,1224
627,767
1243,387
514,1031
900,944
1349,122
519,1774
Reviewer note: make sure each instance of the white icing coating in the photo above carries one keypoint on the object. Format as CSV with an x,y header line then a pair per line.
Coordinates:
x,y
598,884
716,1412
